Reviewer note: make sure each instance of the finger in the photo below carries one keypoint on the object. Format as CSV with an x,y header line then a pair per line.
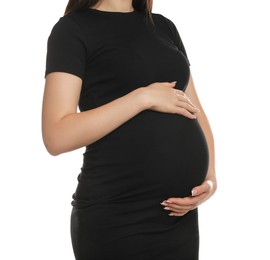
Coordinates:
x,y
179,209
187,100
182,95
172,84
184,99
182,202
182,213
167,84
187,106
179,92
184,112
178,214
210,183
204,188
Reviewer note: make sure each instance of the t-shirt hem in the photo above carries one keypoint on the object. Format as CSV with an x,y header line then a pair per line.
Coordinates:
x,y
65,71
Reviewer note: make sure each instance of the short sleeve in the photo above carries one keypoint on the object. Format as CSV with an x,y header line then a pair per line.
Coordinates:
x,y
66,48
176,37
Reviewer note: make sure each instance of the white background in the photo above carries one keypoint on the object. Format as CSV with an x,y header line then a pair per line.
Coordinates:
x,y
228,46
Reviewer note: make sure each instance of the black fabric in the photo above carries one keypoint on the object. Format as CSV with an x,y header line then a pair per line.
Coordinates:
x,y
126,174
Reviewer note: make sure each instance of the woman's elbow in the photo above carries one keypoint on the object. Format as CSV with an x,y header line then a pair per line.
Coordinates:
x,y
53,145
52,149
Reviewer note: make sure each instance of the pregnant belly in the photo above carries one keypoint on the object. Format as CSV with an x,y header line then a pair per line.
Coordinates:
x,y
152,155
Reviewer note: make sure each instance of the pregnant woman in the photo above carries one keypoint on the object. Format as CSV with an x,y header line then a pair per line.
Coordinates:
x,y
149,151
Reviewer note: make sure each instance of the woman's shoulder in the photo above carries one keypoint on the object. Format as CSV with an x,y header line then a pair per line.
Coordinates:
x,y
70,19
70,24
163,21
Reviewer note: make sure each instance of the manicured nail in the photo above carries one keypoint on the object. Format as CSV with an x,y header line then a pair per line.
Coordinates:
x,y
194,117
174,82
166,208
194,192
171,214
168,201
163,203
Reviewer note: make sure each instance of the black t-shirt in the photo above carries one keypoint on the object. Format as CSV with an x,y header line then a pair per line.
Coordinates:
x,y
114,52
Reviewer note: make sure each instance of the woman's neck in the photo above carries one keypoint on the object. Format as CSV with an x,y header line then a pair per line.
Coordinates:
x,y
115,6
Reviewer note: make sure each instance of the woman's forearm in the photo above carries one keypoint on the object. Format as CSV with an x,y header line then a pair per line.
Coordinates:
x,y
80,129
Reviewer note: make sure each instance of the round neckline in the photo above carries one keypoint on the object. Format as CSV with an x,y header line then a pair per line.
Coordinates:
x,y
111,12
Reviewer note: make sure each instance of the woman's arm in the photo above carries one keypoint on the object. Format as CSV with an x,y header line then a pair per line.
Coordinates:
x,y
64,129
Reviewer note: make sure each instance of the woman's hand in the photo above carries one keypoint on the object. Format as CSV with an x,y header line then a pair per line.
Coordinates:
x,y
181,206
162,97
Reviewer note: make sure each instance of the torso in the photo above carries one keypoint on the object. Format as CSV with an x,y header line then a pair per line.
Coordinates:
x,y
154,155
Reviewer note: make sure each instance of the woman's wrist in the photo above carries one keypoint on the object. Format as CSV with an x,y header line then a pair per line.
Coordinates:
x,y
142,98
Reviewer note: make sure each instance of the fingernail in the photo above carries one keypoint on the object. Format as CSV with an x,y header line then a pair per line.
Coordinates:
x,y
171,214
166,208
168,201
174,82
194,192
163,203
194,117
